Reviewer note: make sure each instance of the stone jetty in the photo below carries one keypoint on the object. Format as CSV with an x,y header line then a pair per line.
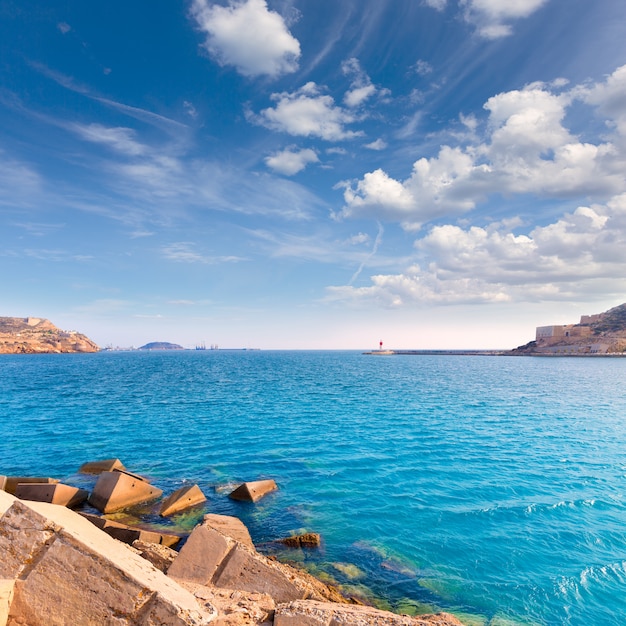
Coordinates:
x,y
60,566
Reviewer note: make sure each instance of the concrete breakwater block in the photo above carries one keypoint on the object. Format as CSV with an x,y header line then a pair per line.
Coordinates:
x,y
253,491
55,493
212,558
118,490
183,498
311,613
67,571
97,467
130,534
9,483
230,526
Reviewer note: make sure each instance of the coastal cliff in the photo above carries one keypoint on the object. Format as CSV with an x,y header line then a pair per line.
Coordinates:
x,y
33,335
598,334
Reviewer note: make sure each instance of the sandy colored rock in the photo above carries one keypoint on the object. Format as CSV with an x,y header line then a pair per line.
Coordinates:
x,y
119,489
11,482
63,495
97,467
183,498
212,558
34,335
311,613
253,491
236,608
199,558
6,502
160,556
6,598
230,526
69,572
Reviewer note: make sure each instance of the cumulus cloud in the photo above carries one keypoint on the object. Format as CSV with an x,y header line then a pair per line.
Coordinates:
x,y
525,148
308,112
492,17
290,161
361,87
248,36
490,264
378,144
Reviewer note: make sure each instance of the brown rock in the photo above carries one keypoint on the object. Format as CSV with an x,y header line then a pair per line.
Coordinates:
x,y
230,526
11,482
130,534
253,491
71,573
183,498
306,540
311,613
97,467
118,490
56,493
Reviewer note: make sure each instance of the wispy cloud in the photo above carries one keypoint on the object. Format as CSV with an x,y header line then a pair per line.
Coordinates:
x,y
185,252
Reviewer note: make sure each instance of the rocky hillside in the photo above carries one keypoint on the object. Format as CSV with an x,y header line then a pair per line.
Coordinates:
x,y
602,333
33,335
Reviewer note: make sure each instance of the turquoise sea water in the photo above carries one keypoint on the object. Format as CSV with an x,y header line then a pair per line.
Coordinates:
x,y
493,487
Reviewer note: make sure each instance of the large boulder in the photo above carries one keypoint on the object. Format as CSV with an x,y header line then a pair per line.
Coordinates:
x,y
182,499
54,493
10,483
254,490
66,571
97,467
212,558
119,489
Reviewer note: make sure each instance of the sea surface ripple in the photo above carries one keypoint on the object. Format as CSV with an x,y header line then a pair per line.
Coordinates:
x,y
493,487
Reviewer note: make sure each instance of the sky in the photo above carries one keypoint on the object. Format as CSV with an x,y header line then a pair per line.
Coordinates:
x,y
312,174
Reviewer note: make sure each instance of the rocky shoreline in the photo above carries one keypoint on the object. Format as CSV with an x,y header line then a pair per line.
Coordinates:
x,y
34,335
62,565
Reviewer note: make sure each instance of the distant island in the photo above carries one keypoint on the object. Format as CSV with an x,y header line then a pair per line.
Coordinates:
x,y
35,335
161,345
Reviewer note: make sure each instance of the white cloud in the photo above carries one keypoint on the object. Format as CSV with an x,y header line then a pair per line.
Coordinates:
x,y
290,162
379,144
423,68
120,139
560,260
184,252
526,149
361,87
438,5
308,113
492,17
64,27
248,36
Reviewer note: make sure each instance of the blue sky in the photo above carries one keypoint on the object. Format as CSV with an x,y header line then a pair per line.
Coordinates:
x,y
312,173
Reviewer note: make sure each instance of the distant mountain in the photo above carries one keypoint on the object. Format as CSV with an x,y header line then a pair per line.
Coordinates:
x,y
161,345
601,333
35,335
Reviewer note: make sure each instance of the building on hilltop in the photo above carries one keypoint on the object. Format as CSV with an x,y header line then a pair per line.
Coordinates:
x,y
561,332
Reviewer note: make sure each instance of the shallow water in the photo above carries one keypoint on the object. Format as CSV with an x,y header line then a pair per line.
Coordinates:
x,y
493,487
